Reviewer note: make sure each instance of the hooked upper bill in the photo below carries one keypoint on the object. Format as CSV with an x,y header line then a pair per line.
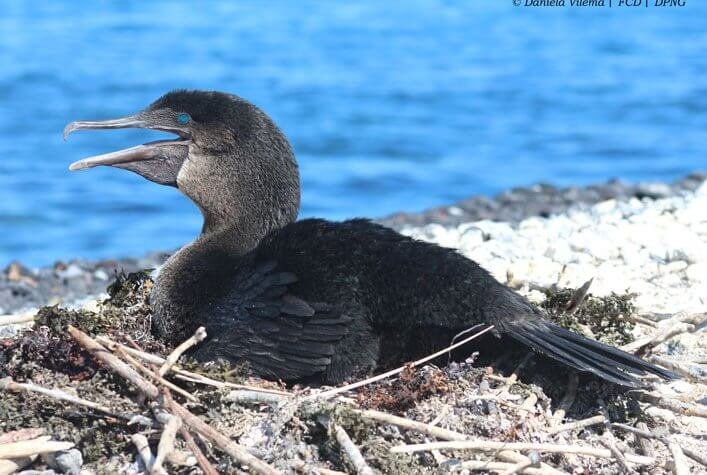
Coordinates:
x,y
147,151
158,161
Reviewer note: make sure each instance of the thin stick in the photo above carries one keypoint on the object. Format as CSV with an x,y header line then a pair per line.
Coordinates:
x,y
697,457
691,372
7,384
25,448
15,319
201,459
427,429
242,396
438,432
238,452
645,434
156,377
609,443
577,424
643,441
351,451
658,317
674,405
116,364
680,463
181,373
333,392
645,344
166,444
173,357
578,297
492,446
643,321
143,449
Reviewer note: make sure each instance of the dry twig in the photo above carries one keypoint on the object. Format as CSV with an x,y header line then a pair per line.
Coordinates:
x,y
26,448
483,445
7,384
643,441
644,434
333,392
201,459
166,444
173,357
421,427
116,364
181,373
143,449
15,319
239,453
675,405
9,466
577,424
351,451
441,433
643,345
680,466
242,396
609,443
156,377
691,372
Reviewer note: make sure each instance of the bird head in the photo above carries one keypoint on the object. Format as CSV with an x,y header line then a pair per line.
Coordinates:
x,y
228,156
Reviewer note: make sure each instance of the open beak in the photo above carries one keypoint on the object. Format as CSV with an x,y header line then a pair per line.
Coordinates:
x,y
148,151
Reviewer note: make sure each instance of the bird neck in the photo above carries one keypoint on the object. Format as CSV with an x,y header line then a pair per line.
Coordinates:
x,y
235,234
242,199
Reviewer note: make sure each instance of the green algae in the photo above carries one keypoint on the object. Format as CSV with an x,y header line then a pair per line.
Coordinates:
x,y
606,319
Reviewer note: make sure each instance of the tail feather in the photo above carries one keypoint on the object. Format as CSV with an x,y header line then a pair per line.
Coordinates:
x,y
581,353
577,360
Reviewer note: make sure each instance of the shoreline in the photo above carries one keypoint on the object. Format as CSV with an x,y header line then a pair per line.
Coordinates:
x,y
22,288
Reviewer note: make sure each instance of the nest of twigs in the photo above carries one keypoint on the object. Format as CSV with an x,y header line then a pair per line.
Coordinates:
x,y
91,390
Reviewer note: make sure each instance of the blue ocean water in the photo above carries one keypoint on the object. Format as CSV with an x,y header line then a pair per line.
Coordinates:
x,y
389,105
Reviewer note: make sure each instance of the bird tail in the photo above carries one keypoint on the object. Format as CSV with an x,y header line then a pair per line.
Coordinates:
x,y
582,353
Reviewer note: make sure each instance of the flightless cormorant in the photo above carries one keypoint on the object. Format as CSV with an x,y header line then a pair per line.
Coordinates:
x,y
311,299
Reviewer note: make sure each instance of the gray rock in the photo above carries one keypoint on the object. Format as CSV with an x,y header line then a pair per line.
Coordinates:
x,y
68,462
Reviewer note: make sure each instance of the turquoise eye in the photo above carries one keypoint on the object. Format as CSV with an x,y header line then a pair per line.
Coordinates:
x,y
183,118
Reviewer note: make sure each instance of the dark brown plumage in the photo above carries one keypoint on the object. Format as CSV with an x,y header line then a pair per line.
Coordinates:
x,y
313,299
